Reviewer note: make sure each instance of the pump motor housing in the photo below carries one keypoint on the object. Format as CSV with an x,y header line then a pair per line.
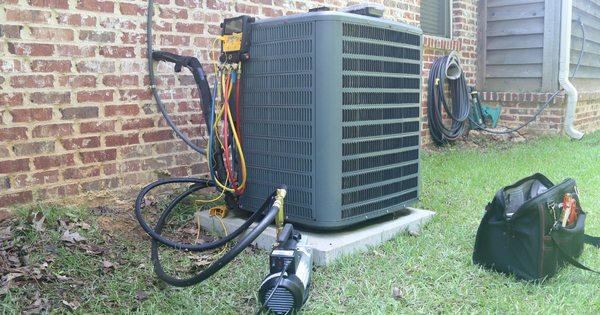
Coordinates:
x,y
279,293
331,107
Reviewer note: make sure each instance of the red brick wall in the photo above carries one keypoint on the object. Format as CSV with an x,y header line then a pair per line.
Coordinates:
x,y
587,113
76,116
518,108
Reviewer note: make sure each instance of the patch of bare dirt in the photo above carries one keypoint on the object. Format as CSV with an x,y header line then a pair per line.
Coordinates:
x,y
121,226
477,139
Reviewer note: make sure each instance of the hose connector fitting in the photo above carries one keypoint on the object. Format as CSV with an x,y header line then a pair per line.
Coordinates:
x,y
280,217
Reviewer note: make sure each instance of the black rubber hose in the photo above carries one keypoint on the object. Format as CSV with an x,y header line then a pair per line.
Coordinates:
x,y
198,184
221,262
202,84
244,242
436,100
203,87
159,102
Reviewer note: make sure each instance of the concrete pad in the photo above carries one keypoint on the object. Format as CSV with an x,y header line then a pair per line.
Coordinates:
x,y
328,246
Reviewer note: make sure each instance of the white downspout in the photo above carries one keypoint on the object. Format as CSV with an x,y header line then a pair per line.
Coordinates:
x,y
563,75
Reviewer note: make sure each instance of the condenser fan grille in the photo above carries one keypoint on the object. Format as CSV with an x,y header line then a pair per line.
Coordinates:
x,y
277,113
368,81
380,66
378,33
380,119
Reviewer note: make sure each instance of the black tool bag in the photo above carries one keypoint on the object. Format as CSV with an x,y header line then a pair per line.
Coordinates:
x,y
522,233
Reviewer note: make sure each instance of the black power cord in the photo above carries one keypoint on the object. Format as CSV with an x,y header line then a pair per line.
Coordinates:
x,y
530,120
582,47
547,103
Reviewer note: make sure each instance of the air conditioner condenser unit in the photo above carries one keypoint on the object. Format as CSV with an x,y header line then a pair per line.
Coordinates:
x,y
331,107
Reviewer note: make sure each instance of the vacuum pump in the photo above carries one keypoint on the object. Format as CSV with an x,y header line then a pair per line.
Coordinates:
x,y
286,287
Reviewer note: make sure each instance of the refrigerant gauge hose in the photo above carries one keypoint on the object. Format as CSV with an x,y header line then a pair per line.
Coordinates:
x,y
264,216
290,262
269,209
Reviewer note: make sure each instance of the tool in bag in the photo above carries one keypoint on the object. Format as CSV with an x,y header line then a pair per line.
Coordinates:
x,y
532,228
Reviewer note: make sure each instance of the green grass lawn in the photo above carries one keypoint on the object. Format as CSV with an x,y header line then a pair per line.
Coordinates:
x,y
433,271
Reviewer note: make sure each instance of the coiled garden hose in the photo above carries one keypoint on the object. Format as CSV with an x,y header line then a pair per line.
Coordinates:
x,y
447,67
436,99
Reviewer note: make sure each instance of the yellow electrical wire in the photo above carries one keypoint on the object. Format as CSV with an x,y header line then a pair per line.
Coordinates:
x,y
240,151
215,129
215,126
221,111
198,227
226,247
216,123
216,134
212,200
224,108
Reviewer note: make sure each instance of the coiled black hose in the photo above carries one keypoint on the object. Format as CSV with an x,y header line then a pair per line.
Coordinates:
x,y
436,99
461,105
198,184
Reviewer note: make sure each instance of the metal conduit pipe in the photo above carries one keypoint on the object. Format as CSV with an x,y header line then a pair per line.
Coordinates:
x,y
563,75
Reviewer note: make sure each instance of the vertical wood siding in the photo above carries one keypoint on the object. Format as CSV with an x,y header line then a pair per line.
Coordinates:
x,y
588,75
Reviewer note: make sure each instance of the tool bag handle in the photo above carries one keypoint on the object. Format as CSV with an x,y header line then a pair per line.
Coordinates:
x,y
588,239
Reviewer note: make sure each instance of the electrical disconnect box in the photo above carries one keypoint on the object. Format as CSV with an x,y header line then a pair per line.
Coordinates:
x,y
331,108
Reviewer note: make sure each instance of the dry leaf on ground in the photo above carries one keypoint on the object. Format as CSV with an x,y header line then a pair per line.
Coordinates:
x,y
141,295
71,305
37,221
108,266
72,237
397,293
